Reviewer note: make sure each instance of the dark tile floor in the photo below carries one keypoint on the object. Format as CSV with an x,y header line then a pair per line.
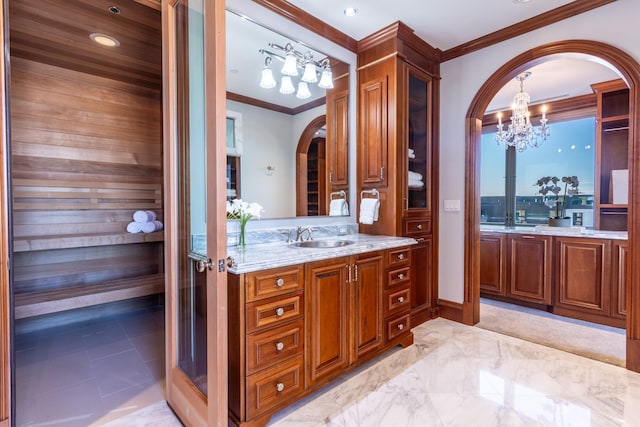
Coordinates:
x,y
91,372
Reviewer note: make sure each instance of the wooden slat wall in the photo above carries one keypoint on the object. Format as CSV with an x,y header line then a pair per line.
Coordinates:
x,y
86,154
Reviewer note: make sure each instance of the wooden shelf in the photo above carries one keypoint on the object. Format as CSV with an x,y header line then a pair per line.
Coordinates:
x,y
43,243
56,300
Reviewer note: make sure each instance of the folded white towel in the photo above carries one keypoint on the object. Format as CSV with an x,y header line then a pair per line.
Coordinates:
x,y
412,156
415,176
336,207
144,216
410,150
134,227
151,226
369,210
415,183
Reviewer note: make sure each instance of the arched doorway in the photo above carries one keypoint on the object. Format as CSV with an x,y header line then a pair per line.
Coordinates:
x,y
630,71
307,142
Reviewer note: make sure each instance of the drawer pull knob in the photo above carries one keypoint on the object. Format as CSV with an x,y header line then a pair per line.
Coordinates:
x,y
279,311
400,276
419,226
401,257
280,282
400,326
400,299
279,387
279,346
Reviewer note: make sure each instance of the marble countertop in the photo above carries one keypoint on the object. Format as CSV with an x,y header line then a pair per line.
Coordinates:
x,y
270,255
558,231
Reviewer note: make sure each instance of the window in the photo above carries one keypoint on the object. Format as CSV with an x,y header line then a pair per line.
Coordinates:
x,y
569,151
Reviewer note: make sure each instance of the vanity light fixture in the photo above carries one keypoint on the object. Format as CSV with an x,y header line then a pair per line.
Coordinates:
x,y
104,40
521,133
312,71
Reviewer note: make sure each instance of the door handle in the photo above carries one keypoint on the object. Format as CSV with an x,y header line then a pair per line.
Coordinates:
x,y
202,263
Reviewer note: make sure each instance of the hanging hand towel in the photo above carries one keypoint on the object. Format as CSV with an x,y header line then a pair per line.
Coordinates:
x,y
336,207
369,210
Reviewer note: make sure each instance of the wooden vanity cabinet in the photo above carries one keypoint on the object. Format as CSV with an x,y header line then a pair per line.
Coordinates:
x,y
620,267
493,268
529,268
344,313
398,89
337,138
293,329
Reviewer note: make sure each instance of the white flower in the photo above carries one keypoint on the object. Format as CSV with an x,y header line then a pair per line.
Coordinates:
x,y
237,209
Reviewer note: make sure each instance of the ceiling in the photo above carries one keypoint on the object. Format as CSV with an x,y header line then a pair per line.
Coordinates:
x,y
444,26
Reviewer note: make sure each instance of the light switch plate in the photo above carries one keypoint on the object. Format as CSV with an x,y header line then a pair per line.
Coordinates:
x,y
452,205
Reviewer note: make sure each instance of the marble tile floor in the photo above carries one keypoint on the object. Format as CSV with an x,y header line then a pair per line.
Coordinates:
x,y
454,375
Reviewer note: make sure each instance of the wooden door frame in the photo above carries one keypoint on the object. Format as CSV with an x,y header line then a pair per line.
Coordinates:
x,y
629,68
6,404
301,162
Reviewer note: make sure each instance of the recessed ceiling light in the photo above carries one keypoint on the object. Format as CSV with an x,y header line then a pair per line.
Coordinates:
x,y
521,1
350,11
104,40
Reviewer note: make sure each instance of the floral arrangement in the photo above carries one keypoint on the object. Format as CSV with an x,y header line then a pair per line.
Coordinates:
x,y
549,184
243,212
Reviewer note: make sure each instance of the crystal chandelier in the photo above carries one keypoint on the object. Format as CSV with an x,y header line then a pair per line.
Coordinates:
x,y
292,61
521,133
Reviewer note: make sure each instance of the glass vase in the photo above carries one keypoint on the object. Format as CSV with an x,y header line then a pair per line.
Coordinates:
x,y
241,241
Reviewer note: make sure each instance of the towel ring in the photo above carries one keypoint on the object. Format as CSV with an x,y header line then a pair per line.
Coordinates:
x,y
373,192
341,194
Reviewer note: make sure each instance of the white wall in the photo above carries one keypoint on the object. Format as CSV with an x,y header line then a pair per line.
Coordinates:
x,y
615,24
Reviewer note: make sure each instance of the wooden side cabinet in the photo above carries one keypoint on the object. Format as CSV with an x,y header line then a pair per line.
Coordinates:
x,y
582,275
493,255
620,266
529,268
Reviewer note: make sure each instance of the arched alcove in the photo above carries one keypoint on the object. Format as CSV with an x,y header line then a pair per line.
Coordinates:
x,y
629,69
301,162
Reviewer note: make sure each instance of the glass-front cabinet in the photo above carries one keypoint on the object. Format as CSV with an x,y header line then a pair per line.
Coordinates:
x,y
418,140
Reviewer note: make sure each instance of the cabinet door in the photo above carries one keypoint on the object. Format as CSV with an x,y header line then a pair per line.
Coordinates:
x,y
582,274
326,317
493,248
423,295
373,132
337,150
417,152
620,266
367,303
530,268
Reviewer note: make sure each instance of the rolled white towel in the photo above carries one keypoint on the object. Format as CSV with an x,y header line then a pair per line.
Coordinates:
x,y
144,216
415,176
134,227
415,184
159,225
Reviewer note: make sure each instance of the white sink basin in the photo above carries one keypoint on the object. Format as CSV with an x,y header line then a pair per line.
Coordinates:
x,y
324,244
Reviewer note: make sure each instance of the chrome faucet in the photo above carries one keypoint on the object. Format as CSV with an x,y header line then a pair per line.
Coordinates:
x,y
300,232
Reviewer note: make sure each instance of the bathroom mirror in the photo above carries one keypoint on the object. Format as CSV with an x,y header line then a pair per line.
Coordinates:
x,y
283,165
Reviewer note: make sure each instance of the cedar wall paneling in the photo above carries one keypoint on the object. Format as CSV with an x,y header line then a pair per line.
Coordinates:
x,y
86,153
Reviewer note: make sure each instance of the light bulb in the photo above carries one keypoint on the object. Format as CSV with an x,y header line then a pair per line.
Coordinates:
x,y
303,91
286,85
267,81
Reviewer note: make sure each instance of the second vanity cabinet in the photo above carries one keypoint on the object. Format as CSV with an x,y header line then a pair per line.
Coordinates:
x,y
573,276
293,329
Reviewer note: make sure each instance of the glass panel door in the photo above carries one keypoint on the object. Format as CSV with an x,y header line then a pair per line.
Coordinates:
x,y
196,286
418,137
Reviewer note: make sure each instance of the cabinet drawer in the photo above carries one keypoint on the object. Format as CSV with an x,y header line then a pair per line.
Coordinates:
x,y
398,326
267,348
274,386
398,257
273,311
277,281
398,277
397,300
417,226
